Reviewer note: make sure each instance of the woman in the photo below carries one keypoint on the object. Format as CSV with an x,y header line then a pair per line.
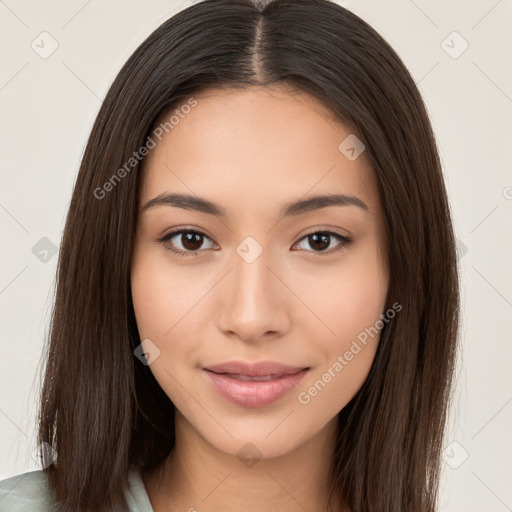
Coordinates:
x,y
257,301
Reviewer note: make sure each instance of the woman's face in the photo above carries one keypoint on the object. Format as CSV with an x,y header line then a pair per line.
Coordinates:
x,y
260,283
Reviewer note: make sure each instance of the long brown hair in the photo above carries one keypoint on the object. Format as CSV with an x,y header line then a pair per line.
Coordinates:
x,y
101,409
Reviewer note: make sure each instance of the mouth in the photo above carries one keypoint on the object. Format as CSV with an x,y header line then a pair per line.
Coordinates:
x,y
259,369
253,385
255,379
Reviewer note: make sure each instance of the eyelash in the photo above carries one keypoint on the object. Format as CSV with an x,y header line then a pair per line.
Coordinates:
x,y
345,241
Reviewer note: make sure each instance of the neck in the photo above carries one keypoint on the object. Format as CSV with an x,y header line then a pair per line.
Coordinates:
x,y
197,476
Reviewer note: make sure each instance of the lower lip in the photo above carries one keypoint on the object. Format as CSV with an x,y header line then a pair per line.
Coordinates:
x,y
253,393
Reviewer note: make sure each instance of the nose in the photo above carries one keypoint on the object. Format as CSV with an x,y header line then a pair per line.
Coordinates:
x,y
254,300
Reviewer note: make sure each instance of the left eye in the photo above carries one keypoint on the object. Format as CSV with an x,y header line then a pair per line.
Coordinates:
x,y
320,240
192,240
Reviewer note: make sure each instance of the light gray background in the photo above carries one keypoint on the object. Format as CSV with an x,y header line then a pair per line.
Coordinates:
x,y
47,109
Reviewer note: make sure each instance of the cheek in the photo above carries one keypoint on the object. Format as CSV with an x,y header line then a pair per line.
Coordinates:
x,y
163,294
346,298
151,301
161,316
349,301
169,302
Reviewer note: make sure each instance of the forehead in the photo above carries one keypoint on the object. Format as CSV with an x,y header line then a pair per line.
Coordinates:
x,y
259,144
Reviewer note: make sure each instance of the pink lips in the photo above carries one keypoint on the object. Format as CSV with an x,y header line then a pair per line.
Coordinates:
x,y
254,385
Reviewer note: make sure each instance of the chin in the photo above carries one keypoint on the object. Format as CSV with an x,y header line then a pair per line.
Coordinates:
x,y
259,439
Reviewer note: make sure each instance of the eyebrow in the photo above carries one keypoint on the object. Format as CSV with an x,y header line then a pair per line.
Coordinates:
x,y
188,202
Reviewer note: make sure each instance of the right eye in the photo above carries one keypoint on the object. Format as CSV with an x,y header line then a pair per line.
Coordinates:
x,y
190,240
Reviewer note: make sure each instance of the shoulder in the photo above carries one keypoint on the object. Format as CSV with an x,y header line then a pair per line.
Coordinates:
x,y
28,492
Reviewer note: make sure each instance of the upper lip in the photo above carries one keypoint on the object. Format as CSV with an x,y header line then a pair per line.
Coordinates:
x,y
259,369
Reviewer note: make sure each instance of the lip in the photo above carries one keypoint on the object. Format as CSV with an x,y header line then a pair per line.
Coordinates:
x,y
259,369
236,381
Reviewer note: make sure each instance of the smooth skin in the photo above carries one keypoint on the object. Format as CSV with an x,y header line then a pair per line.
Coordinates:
x,y
251,152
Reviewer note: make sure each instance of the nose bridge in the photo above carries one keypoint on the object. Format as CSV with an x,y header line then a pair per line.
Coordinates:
x,y
252,303
251,277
